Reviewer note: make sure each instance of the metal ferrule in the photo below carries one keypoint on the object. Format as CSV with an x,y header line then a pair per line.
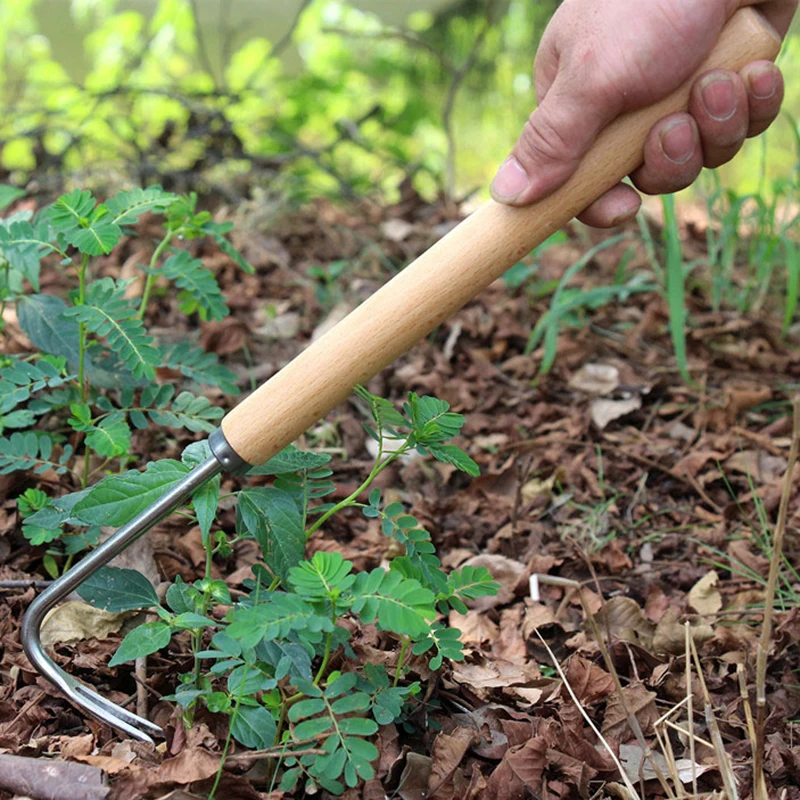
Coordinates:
x,y
224,458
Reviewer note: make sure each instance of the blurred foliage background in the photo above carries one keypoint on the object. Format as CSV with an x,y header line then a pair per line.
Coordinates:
x,y
300,97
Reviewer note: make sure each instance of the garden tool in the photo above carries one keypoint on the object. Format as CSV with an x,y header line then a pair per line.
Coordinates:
x,y
403,311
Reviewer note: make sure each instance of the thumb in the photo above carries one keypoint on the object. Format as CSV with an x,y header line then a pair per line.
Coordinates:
x,y
555,138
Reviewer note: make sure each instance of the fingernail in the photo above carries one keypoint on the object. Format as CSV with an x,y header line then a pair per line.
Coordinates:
x,y
678,141
763,82
719,96
510,182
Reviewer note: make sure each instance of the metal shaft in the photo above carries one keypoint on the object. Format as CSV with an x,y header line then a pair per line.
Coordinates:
x,y
223,458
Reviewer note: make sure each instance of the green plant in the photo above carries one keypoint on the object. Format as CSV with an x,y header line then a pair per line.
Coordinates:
x,y
270,651
74,402
570,304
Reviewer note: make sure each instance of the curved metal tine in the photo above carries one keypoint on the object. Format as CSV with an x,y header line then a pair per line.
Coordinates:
x,y
81,695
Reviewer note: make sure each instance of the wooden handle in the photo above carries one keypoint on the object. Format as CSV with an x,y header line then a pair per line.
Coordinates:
x,y
457,268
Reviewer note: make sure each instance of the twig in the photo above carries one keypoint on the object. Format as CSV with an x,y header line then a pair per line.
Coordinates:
x,y
273,752
687,629
624,775
140,674
759,780
23,584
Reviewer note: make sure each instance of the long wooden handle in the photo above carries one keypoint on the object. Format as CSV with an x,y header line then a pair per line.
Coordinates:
x,y
455,269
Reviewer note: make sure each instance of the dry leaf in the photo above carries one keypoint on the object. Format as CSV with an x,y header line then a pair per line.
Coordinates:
x,y
704,596
637,767
621,618
640,702
595,379
670,634
76,621
758,465
476,628
606,411
415,777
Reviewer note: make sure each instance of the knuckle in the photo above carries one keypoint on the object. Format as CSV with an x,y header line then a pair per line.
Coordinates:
x,y
544,141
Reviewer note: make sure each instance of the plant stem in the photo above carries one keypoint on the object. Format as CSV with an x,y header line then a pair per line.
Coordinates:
x,y
350,500
84,389
401,659
325,657
151,274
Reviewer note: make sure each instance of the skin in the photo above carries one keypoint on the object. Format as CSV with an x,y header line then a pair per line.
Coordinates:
x,y
601,58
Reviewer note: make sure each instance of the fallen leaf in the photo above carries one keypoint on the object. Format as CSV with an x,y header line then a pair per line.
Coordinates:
x,y
595,379
637,767
76,620
621,618
640,702
505,571
415,778
704,596
476,628
447,753
605,412
758,465
670,634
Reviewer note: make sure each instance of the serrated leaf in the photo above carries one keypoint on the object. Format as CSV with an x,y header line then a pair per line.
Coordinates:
x,y
189,274
254,727
142,641
274,519
116,590
118,498
108,314
205,501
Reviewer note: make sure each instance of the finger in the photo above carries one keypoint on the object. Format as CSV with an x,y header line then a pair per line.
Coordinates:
x,y
555,138
779,13
720,107
616,206
673,156
765,90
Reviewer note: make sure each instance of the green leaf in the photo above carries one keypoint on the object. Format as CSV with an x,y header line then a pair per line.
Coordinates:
x,y
23,245
274,618
125,208
312,728
254,727
205,501
358,726
108,314
72,210
8,194
676,293
189,620
111,437
198,283
197,365
142,641
400,604
292,459
195,414
98,237
118,590
450,454
274,519
325,575
43,320
306,708
357,701
118,498
31,450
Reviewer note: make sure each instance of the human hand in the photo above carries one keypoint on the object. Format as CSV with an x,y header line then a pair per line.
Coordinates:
x,y
601,58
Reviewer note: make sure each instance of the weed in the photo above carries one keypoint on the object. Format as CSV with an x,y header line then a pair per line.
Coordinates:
x,y
72,405
270,651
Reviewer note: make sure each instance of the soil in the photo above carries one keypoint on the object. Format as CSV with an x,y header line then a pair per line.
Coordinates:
x,y
649,500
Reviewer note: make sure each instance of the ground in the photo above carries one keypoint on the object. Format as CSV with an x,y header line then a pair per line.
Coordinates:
x,y
656,496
